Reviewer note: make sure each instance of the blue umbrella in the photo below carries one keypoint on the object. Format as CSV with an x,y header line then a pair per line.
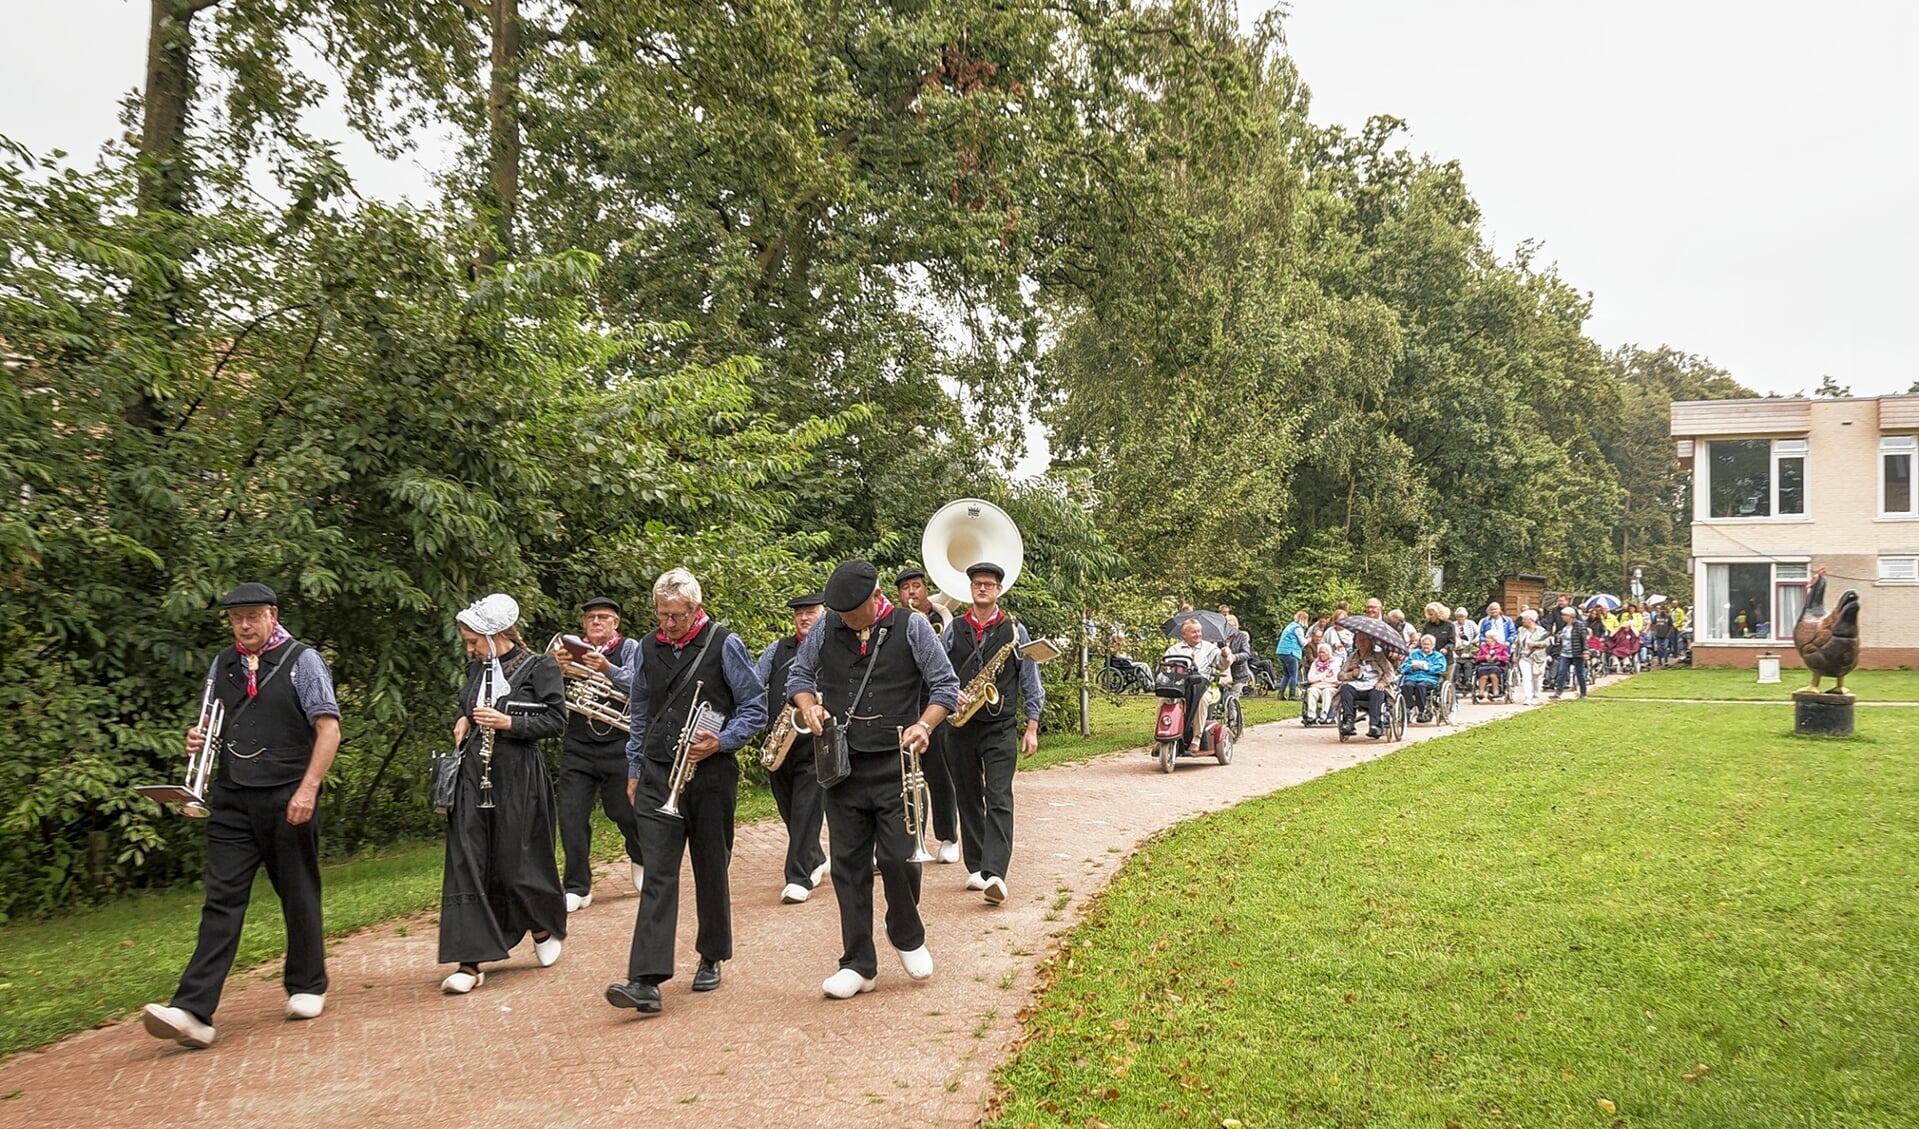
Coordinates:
x,y
1610,603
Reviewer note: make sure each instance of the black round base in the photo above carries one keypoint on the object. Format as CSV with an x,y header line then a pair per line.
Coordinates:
x,y
1816,714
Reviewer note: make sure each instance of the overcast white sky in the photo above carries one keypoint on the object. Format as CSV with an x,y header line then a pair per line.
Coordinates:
x,y
1734,179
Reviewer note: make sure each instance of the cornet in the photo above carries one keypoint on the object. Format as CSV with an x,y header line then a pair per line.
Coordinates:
x,y
913,798
191,795
701,718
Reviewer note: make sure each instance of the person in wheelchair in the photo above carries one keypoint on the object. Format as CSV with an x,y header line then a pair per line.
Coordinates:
x,y
1420,675
1368,672
1204,661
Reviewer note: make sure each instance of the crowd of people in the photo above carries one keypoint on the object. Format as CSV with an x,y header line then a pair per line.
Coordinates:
x,y
868,684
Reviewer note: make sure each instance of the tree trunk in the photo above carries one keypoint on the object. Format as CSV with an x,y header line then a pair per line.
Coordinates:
x,y
503,127
165,175
166,169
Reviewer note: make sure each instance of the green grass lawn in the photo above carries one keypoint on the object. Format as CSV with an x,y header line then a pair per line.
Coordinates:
x,y
74,972
1741,685
1602,914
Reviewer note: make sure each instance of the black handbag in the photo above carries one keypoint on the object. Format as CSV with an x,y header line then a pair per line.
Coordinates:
x,y
446,780
832,759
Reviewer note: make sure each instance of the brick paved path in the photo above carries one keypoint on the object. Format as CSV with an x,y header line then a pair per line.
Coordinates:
x,y
539,1047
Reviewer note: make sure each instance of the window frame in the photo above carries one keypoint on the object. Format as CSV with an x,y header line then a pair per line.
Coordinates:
x,y
1795,447
1702,616
1894,446
1897,580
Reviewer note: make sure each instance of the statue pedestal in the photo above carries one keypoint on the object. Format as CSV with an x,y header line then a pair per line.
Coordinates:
x,y
1819,714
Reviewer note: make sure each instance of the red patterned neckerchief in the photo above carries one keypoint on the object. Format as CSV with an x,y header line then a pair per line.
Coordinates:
x,y
880,611
612,644
275,638
699,621
979,629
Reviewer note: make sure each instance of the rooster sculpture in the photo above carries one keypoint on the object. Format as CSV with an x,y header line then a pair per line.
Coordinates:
x,y
1828,641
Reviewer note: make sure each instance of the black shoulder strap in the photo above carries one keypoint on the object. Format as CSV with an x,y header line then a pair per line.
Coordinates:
x,y
679,675
286,662
879,640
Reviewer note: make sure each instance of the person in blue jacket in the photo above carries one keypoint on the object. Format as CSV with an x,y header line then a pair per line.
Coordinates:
x,y
1292,645
1420,676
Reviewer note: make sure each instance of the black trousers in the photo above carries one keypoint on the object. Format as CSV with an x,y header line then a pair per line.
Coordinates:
x,y
704,828
802,804
942,795
588,772
865,821
248,829
985,755
1196,686
1418,693
1375,705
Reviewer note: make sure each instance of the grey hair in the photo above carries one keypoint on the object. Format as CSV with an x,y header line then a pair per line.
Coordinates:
x,y
1427,640
677,583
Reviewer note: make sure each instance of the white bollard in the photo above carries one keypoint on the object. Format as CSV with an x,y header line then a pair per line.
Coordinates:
x,y
1768,668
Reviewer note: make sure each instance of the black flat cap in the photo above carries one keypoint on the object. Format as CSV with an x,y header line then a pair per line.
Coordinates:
x,y
998,573
603,602
851,585
250,595
907,574
810,600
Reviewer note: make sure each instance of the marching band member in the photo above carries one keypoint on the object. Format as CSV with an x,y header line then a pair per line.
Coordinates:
x,y
983,750
942,796
593,759
796,790
501,881
869,666
283,727
690,654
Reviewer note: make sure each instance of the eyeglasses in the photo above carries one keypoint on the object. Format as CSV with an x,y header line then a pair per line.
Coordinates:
x,y
673,617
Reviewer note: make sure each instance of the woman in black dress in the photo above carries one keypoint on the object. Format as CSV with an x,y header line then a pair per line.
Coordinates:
x,y
502,881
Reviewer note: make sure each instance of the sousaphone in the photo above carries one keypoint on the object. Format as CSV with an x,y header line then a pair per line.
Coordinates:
x,y
960,535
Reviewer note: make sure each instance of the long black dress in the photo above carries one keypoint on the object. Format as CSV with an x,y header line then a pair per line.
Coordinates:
x,y
502,881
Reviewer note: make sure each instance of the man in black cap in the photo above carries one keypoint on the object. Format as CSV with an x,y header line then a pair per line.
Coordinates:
x,y
281,730
985,751
593,757
879,673
796,788
942,800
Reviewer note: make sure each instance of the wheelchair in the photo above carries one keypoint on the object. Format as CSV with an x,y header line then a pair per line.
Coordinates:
x,y
1392,711
1123,674
1444,703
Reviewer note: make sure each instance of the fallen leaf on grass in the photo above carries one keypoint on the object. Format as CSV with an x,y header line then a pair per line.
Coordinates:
x,y
1606,1105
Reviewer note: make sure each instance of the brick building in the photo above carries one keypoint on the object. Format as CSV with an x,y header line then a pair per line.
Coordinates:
x,y
1782,487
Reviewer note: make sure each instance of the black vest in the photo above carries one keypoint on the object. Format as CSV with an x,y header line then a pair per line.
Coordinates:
x,y
783,652
583,730
668,676
969,658
892,698
269,743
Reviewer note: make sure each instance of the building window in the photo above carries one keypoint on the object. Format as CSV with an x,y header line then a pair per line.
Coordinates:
x,y
1896,497
1752,600
1899,568
1756,478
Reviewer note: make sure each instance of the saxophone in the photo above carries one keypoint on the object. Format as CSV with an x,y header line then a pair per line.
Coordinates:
x,y
779,739
982,690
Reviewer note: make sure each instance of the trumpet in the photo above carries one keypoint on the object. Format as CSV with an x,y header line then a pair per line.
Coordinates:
x,y
779,740
701,718
191,795
913,798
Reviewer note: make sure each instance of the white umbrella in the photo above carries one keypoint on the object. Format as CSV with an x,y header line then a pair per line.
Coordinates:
x,y
1655,600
